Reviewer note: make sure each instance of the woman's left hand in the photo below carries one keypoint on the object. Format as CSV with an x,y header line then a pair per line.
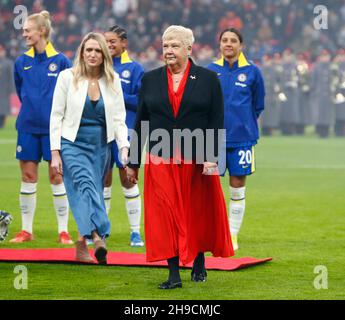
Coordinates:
x,y
132,175
210,168
124,156
56,162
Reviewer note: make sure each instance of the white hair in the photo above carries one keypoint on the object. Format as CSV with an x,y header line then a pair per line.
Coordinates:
x,y
185,35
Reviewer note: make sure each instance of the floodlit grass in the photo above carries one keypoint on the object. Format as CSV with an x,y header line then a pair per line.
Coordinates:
x,y
294,213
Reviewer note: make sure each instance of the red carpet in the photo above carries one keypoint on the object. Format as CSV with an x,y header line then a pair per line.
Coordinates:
x,y
116,258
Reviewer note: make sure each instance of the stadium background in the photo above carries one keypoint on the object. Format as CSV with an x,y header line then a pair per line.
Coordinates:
x,y
295,210
267,25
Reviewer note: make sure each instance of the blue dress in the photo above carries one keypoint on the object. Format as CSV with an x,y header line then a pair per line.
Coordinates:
x,y
85,163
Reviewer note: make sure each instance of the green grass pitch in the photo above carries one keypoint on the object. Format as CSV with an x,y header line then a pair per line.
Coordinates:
x,y
295,213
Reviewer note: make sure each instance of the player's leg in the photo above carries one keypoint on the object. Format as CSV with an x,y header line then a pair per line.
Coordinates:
x,y
241,164
237,206
60,200
61,206
27,200
132,198
133,207
108,181
29,154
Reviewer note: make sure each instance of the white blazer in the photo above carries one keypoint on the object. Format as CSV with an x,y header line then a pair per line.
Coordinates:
x,y
68,106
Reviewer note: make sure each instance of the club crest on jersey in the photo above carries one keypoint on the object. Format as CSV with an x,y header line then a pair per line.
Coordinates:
x,y
126,74
53,67
242,77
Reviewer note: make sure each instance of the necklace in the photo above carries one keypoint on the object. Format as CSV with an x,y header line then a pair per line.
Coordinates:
x,y
177,78
93,81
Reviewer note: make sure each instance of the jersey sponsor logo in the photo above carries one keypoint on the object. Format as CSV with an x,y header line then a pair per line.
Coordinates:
x,y
125,81
19,149
242,77
239,84
52,74
53,67
27,68
126,74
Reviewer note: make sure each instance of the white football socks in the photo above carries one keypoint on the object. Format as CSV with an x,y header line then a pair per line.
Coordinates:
x,y
107,198
61,206
133,207
27,202
236,208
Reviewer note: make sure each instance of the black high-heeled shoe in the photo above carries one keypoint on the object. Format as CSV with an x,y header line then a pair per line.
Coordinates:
x,y
199,276
170,285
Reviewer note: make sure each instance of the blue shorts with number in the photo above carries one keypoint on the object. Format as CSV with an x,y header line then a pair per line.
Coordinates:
x,y
33,147
240,161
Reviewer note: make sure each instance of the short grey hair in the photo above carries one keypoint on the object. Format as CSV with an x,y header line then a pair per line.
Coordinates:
x,y
185,35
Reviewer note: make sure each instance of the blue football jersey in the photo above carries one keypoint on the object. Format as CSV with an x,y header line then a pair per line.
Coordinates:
x,y
131,73
35,78
244,94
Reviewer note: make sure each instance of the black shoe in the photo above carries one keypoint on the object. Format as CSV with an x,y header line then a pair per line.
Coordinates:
x,y
170,285
101,256
199,277
100,252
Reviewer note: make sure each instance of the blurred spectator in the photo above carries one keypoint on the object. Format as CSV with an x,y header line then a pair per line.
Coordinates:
x,y
7,85
268,25
230,20
205,55
150,59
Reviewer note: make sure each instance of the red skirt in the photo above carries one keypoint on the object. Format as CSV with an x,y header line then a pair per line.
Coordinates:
x,y
185,212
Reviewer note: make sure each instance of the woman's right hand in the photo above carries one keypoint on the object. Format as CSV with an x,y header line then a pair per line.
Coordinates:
x,y
56,162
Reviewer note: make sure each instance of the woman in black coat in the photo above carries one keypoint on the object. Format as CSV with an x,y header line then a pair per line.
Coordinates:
x,y
185,213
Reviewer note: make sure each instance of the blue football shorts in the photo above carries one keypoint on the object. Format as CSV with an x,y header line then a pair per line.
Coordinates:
x,y
33,147
239,161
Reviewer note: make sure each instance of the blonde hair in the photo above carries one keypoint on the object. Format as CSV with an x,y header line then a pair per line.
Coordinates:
x,y
42,20
79,66
185,35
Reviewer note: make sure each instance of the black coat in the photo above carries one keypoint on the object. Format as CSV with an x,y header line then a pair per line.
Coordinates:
x,y
201,108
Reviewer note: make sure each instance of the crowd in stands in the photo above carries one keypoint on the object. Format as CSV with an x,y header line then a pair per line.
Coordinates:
x,y
268,26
